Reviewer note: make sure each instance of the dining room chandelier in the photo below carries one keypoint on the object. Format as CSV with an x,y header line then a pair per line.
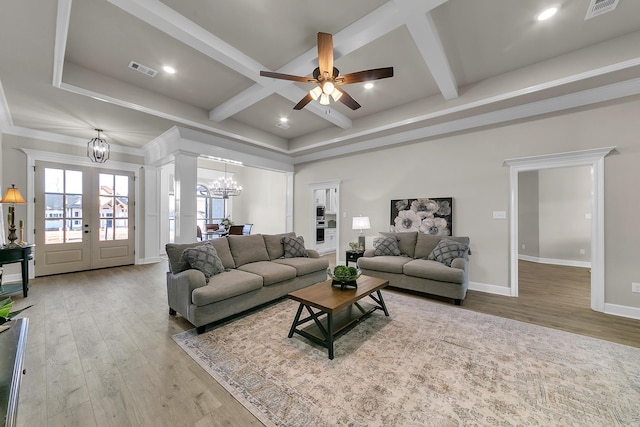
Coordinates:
x,y
225,187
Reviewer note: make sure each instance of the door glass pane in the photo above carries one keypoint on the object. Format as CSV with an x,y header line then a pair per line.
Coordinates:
x,y
114,203
73,182
53,180
122,185
73,231
122,207
62,206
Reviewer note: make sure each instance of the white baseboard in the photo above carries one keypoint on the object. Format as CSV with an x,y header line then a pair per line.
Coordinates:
x,y
14,278
622,310
150,260
490,289
566,262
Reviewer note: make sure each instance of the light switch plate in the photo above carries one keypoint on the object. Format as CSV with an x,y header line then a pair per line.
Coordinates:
x,y
499,215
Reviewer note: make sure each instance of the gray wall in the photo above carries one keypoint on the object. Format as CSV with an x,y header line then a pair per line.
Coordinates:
x,y
565,198
528,214
470,168
552,205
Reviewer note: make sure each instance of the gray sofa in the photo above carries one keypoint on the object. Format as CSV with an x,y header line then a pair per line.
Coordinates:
x,y
412,270
256,272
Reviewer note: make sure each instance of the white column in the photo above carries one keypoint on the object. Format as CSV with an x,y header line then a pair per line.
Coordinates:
x,y
186,176
151,224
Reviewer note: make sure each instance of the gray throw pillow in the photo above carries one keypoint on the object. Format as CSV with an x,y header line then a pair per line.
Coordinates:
x,y
204,258
386,246
447,250
294,247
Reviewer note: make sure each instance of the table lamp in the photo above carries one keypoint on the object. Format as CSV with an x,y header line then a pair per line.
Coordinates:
x,y
361,223
13,197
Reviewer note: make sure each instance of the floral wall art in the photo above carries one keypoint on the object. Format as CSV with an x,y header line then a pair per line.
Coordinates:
x,y
428,215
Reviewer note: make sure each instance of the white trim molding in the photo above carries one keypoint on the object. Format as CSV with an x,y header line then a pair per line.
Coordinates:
x,y
552,261
490,289
593,158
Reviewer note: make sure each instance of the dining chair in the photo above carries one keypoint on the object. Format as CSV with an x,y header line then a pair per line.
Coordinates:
x,y
236,229
246,229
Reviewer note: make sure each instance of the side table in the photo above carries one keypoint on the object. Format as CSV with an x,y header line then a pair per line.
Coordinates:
x,y
353,256
21,254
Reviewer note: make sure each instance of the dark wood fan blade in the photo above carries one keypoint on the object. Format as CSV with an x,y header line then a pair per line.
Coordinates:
x,y
347,100
325,53
304,101
363,76
286,77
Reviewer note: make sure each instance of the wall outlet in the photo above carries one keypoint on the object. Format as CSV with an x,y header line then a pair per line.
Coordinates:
x,y
499,215
524,246
635,287
582,252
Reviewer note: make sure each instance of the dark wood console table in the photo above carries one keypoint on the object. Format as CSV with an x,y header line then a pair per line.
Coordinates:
x,y
21,254
12,347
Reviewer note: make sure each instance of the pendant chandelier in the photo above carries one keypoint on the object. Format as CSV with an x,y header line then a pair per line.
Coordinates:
x,y
98,149
225,187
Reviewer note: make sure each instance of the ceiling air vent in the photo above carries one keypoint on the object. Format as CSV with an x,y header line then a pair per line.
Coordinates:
x,y
141,68
598,7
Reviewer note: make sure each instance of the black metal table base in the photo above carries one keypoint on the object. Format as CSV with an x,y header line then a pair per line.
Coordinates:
x,y
327,327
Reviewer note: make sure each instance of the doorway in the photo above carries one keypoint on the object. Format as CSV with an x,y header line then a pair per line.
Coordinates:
x,y
593,158
554,234
84,218
324,217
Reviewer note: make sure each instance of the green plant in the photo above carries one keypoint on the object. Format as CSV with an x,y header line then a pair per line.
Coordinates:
x,y
353,245
5,310
344,273
226,222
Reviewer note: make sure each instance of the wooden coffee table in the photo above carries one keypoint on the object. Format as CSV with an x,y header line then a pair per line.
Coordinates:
x,y
337,310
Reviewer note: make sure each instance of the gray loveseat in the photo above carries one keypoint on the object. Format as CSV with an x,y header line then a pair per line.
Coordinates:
x,y
410,267
256,272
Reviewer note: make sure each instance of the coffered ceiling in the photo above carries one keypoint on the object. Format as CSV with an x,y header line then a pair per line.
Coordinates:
x,y
458,64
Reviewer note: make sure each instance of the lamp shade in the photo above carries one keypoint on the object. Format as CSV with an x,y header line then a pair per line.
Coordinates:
x,y
13,196
360,223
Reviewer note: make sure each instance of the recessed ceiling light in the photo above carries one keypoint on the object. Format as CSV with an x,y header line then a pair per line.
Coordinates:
x,y
368,85
284,119
547,13
169,69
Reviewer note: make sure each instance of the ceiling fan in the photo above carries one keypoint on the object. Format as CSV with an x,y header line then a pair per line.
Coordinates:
x,y
327,77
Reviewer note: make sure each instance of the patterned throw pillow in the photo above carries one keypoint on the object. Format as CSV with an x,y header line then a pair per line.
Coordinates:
x,y
386,246
204,258
447,250
294,247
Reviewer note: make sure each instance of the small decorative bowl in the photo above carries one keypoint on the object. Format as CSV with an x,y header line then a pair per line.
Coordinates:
x,y
343,280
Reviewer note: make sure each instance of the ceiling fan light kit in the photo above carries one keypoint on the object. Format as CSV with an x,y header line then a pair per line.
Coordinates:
x,y
327,77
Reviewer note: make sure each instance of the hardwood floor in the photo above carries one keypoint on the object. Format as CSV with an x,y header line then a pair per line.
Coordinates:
x,y
100,352
557,297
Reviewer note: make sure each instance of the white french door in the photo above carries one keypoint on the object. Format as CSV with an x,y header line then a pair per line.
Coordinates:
x,y
84,218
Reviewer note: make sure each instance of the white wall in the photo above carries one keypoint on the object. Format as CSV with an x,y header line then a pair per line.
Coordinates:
x,y
262,202
469,167
565,198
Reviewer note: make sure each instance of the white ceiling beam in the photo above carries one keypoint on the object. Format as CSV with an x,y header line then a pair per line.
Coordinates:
x,y
167,20
425,35
370,27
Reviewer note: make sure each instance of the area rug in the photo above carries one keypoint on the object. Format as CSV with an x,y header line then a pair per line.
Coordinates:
x,y
428,364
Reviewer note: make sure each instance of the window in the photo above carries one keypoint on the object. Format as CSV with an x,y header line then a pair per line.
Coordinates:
x,y
114,207
209,209
63,200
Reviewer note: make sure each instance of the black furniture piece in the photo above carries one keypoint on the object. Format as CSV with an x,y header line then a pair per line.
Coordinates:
x,y
21,254
13,344
353,256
